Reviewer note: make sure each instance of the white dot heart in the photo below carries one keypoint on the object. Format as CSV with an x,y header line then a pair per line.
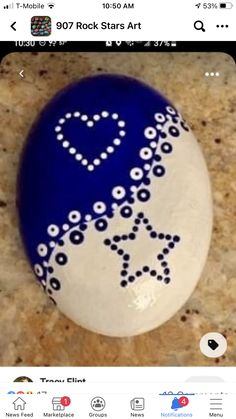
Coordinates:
x,y
90,122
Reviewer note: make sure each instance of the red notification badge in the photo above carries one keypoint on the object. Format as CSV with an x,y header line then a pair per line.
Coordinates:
x,y
65,401
184,401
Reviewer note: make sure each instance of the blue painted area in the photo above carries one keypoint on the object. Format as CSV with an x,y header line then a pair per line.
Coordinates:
x,y
52,183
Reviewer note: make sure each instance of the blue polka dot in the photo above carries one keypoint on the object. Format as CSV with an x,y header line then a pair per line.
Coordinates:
x,y
166,148
176,239
76,237
61,259
126,212
101,225
143,195
158,171
174,131
157,157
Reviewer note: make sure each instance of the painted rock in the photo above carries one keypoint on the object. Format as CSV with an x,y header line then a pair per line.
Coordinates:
x,y
115,205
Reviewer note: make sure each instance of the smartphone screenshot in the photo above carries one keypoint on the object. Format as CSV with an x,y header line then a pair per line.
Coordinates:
x,y
117,209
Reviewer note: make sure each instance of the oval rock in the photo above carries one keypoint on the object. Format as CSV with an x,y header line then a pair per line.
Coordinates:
x,y
115,205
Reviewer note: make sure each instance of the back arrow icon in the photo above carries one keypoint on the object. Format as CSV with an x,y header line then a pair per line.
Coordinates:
x,y
13,26
21,73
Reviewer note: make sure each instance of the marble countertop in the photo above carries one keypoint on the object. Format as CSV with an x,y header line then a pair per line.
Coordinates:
x,y
33,332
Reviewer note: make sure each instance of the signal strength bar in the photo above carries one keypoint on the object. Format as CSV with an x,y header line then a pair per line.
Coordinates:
x,y
9,6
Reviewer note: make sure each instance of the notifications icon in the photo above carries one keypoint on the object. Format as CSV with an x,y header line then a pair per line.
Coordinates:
x,y
179,403
199,26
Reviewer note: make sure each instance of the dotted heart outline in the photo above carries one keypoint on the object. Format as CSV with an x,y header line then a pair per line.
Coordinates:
x,y
116,142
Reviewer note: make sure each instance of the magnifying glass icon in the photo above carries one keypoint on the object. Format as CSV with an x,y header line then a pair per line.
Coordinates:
x,y
199,26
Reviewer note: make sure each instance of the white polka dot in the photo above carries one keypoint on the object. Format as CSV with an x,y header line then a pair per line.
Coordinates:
x,y
145,153
58,129
121,124
97,162
68,115
99,207
114,206
169,117
38,270
122,133
65,144
84,118
42,250
105,114
115,116
110,149
150,133
136,173
153,144
76,114
45,264
159,127
84,162
118,192
147,166
62,121
78,157
133,188
170,110
43,282
90,167
74,216
60,137
52,244
90,124
53,230
88,217
96,117
116,141
65,227
103,156
159,117
72,150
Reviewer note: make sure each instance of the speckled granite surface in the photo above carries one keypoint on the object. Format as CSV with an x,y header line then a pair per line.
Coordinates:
x,y
32,330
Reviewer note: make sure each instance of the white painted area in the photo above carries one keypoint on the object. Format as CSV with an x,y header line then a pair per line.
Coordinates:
x,y
91,294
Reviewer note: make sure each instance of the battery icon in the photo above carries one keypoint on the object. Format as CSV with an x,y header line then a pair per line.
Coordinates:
x,y
226,5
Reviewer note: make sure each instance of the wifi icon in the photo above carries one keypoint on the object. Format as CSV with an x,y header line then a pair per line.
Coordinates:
x,y
51,5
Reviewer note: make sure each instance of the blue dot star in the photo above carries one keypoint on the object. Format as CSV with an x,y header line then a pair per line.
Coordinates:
x,y
168,241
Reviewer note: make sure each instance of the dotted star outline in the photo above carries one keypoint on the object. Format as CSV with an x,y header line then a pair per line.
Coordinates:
x,y
126,276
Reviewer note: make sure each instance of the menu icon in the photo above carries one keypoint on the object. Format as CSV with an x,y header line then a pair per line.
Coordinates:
x,y
216,404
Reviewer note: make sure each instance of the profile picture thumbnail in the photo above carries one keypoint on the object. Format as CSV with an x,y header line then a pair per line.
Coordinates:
x,y
41,26
23,379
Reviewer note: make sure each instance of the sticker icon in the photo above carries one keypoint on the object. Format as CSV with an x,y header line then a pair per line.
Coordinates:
x,y
41,26
213,345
